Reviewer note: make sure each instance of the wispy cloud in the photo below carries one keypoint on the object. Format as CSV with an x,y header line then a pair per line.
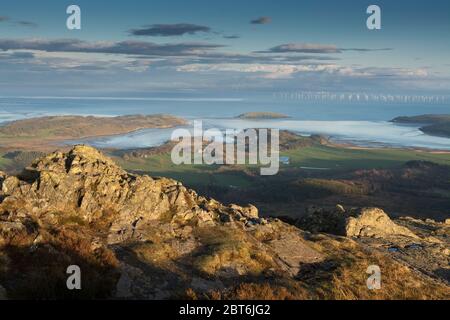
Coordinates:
x,y
17,55
286,71
26,24
316,48
304,48
232,36
187,52
261,20
274,71
267,71
110,47
366,49
22,23
169,30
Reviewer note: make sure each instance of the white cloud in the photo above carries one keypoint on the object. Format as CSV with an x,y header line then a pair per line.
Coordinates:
x,y
280,71
269,71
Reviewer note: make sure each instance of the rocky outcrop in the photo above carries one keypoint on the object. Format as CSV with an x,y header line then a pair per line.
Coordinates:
x,y
365,222
420,244
85,183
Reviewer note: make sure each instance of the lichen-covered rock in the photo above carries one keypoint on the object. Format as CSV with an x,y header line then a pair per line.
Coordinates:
x,y
374,222
365,222
249,212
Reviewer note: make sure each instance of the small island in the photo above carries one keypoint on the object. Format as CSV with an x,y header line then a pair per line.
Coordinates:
x,y
432,124
262,116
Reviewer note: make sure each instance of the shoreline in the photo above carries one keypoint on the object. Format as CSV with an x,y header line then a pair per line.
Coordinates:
x,y
355,146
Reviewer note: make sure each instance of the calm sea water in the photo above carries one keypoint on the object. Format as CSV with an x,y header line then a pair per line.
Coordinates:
x,y
363,124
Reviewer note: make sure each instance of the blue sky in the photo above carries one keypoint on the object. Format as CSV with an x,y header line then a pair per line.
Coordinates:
x,y
227,47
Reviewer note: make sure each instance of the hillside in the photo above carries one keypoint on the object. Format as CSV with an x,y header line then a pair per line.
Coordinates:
x,y
152,238
436,125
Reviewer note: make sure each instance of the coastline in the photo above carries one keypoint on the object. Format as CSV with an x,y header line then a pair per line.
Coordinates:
x,y
340,134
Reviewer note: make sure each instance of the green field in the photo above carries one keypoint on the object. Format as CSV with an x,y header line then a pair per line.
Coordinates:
x,y
316,156
347,159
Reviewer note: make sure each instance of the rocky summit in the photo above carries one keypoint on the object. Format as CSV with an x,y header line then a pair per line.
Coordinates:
x,y
86,185
142,237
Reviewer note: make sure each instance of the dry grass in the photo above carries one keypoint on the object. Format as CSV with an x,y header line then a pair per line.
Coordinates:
x,y
264,291
230,249
38,271
344,276
289,290
157,254
221,252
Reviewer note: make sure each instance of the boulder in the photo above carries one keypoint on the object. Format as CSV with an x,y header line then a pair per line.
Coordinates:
x,y
365,222
374,222
249,212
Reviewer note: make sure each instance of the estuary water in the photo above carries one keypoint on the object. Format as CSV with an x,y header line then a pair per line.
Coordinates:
x,y
361,124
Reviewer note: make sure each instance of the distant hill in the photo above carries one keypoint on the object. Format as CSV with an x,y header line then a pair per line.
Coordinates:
x,y
36,133
424,119
262,115
433,124
80,126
